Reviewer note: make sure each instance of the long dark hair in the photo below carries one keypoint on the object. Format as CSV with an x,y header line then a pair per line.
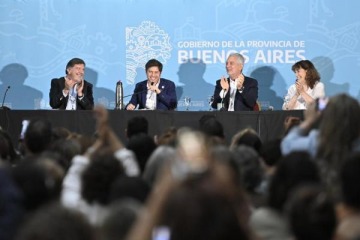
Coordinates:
x,y
312,75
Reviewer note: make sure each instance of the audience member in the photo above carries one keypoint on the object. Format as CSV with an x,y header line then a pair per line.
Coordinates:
x,y
237,92
38,181
38,136
311,214
63,150
270,155
247,162
205,205
142,146
122,215
306,88
336,137
348,209
293,170
125,187
11,210
136,125
248,137
162,156
168,137
61,133
87,185
57,223
212,128
8,152
72,92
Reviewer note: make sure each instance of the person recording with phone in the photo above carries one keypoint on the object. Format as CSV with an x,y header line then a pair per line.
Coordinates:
x,y
237,92
306,88
329,135
155,93
72,92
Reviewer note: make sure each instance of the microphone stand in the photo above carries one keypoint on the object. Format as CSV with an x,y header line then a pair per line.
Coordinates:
x,y
3,101
136,93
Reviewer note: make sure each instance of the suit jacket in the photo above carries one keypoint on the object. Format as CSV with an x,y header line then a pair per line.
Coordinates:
x,y
244,101
166,100
58,101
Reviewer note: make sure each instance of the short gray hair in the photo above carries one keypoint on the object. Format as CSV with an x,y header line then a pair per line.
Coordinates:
x,y
239,57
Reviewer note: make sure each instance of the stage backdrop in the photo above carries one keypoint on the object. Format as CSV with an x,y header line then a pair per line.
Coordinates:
x,y
191,38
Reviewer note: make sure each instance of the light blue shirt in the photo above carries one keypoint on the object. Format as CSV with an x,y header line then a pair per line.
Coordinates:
x,y
296,141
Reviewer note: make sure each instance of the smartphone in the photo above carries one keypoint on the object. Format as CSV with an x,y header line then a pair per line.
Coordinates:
x,y
161,233
321,103
25,124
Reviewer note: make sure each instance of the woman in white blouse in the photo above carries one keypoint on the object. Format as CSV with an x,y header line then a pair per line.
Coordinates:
x,y
306,88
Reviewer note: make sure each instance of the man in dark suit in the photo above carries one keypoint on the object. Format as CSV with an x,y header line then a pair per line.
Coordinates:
x,y
237,92
72,92
155,92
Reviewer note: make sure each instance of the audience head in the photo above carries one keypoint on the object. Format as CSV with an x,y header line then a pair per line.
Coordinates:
x,y
211,127
57,223
248,137
65,149
312,75
293,170
38,135
11,210
7,151
204,206
99,176
125,187
168,137
158,159
349,179
137,125
270,152
143,146
121,217
311,213
39,180
61,133
248,165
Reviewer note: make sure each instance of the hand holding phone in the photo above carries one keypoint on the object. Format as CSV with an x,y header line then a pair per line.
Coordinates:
x,y
321,103
25,124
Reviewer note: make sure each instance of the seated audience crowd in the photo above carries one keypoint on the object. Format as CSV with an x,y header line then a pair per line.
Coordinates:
x,y
185,183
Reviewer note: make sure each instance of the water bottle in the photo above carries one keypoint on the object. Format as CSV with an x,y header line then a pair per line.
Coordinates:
x,y
119,95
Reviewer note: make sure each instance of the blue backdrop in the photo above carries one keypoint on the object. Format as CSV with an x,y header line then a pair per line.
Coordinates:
x,y
191,38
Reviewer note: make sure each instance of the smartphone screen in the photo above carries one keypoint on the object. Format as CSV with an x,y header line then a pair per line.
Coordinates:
x,y
25,124
161,233
321,103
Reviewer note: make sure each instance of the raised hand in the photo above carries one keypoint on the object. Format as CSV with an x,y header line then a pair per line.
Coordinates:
x,y
80,87
240,81
224,83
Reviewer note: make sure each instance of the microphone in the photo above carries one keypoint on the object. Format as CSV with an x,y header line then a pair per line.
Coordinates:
x,y
3,101
137,93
